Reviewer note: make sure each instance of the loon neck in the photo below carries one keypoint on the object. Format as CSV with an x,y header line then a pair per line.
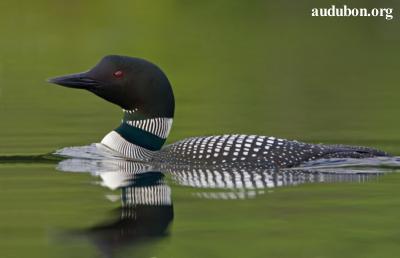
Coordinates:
x,y
141,130
138,132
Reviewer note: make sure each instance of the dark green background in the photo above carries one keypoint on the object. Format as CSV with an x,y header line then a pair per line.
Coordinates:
x,y
255,67
264,67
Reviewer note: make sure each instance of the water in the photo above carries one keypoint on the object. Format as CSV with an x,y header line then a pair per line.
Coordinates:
x,y
123,209
257,68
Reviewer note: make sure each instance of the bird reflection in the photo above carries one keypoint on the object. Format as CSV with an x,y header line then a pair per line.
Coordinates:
x,y
146,206
146,209
242,183
231,182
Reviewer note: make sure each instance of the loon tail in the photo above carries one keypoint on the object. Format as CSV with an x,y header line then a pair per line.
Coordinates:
x,y
346,151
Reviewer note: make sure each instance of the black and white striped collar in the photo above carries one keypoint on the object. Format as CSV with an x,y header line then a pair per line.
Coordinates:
x,y
159,126
116,140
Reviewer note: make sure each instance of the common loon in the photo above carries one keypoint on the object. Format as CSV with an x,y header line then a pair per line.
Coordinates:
x,y
144,93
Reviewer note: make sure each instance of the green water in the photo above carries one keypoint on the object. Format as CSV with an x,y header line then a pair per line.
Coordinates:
x,y
255,67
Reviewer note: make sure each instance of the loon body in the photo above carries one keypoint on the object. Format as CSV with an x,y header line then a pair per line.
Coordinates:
x,y
144,93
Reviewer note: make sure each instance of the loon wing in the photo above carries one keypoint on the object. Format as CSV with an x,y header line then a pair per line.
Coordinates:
x,y
256,151
346,151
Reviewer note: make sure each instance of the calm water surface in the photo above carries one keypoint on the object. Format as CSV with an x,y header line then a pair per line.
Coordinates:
x,y
236,67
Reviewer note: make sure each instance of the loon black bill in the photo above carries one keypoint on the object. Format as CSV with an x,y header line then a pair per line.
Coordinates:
x,y
77,81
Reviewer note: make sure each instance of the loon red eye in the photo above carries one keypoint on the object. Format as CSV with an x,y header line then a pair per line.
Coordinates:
x,y
118,74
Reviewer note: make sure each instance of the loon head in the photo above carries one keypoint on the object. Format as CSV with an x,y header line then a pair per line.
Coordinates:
x,y
144,93
131,83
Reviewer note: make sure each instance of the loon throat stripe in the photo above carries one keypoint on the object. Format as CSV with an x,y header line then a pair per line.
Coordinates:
x,y
157,126
140,137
